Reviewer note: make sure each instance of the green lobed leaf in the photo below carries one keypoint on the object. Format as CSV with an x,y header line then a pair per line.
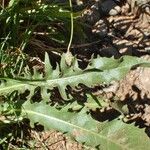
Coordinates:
x,y
100,70
114,135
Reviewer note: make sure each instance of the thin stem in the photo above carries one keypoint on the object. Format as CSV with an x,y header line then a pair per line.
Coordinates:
x,y
71,33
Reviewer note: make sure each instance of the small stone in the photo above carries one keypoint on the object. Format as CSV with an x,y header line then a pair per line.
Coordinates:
x,y
115,11
106,6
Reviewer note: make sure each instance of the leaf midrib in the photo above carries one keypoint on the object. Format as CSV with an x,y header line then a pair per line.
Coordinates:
x,y
35,82
73,125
